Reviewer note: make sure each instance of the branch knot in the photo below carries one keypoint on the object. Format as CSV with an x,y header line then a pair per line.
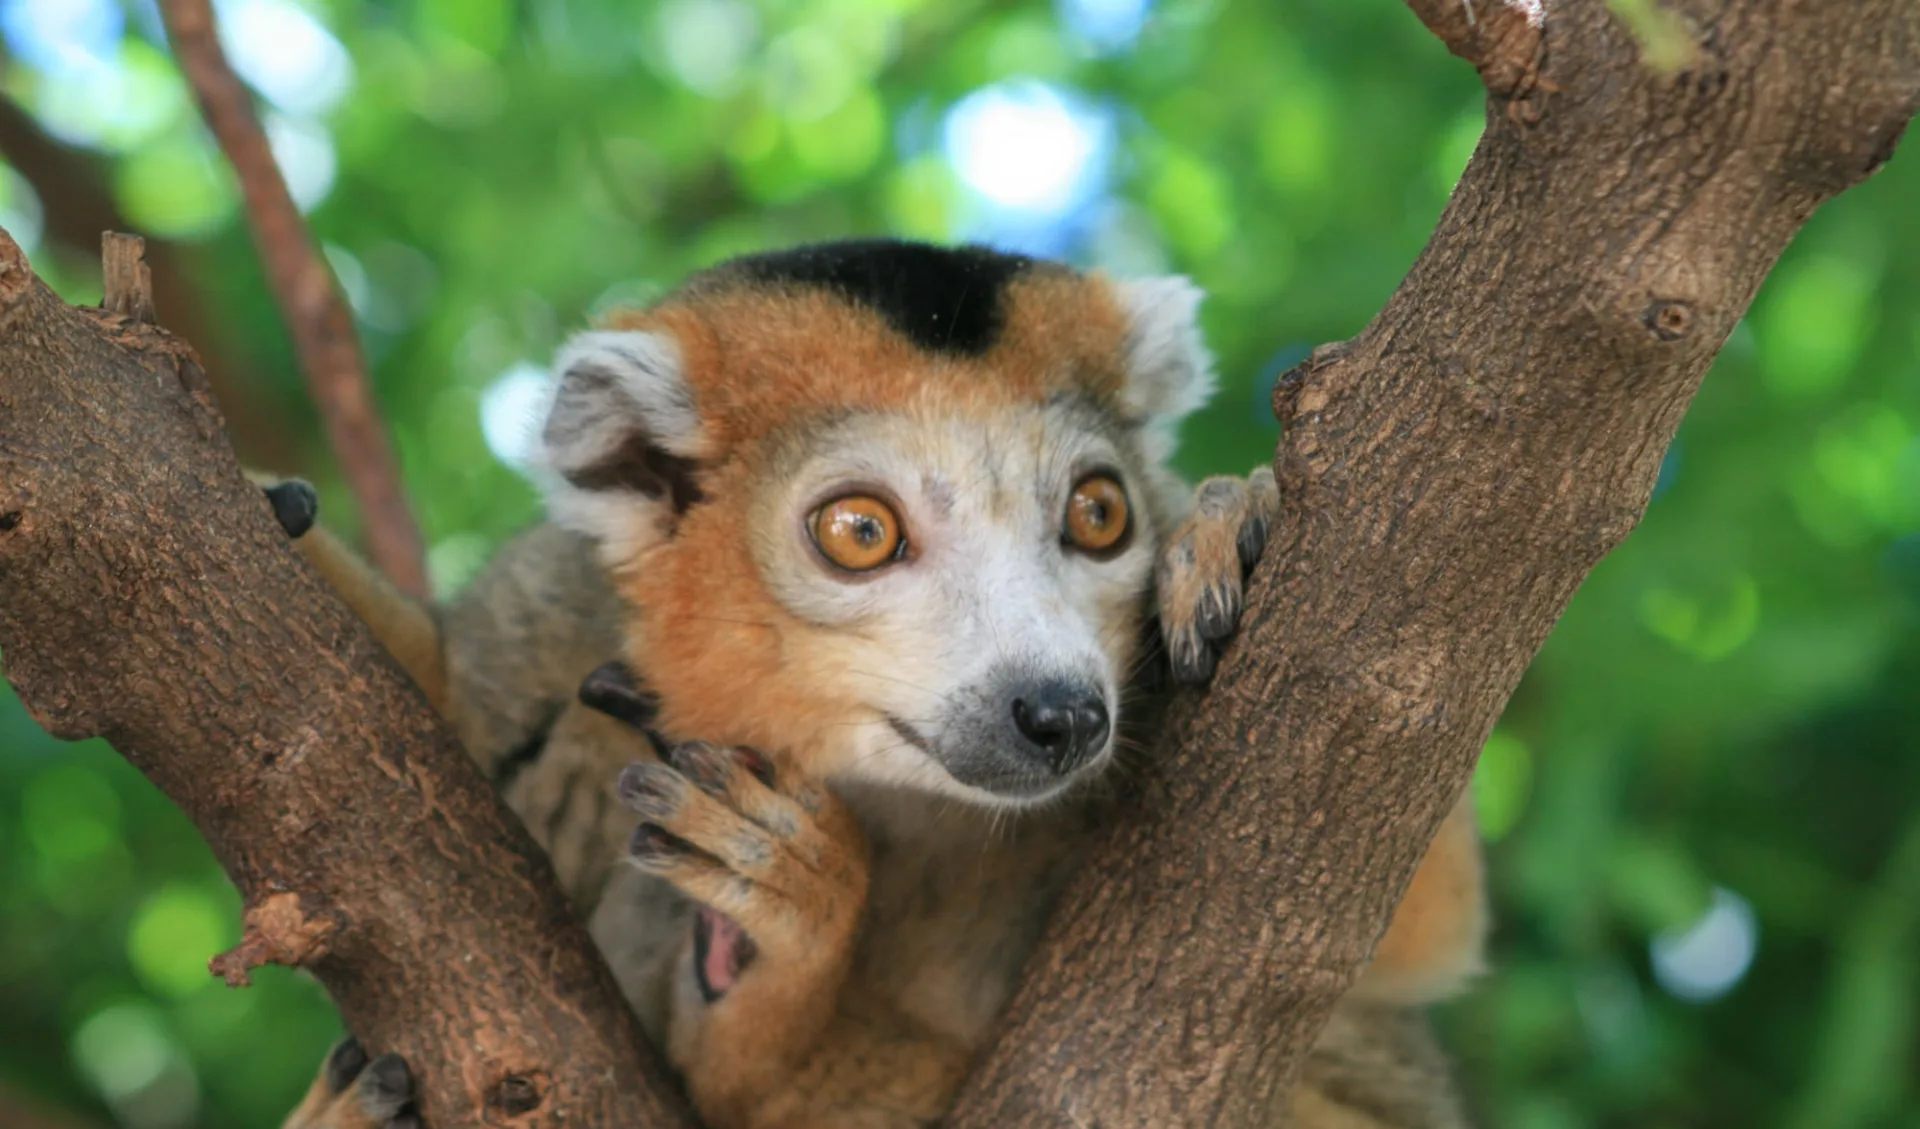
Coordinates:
x,y
279,930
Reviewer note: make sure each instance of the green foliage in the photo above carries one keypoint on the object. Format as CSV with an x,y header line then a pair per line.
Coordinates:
x,y
1727,708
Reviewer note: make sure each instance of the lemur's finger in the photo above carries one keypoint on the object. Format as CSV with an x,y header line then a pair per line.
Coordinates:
x,y
1177,579
344,1063
385,1089
353,1093
1199,577
763,913
1263,509
664,796
744,781
612,689
295,506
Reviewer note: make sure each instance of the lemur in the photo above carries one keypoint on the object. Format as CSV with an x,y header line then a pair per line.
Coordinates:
x,y
845,610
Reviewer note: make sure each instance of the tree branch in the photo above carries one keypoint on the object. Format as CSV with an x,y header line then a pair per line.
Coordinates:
x,y
79,205
1450,476
317,317
152,600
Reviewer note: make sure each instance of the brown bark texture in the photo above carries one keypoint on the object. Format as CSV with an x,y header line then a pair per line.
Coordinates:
x,y
153,600
1449,476
78,204
317,316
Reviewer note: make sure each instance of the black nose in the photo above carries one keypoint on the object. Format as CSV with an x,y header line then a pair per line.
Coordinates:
x,y
1065,724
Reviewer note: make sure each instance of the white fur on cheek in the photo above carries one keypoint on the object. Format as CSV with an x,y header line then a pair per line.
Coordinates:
x,y
622,523
1170,371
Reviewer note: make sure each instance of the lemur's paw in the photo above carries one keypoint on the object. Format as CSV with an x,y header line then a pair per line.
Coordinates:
x,y
776,859
353,1093
1203,565
295,505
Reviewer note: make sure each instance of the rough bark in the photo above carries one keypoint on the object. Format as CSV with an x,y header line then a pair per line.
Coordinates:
x,y
152,600
317,316
1450,476
78,204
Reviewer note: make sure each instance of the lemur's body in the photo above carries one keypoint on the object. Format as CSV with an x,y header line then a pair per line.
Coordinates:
x,y
816,504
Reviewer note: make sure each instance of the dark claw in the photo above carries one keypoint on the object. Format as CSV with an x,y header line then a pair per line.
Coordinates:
x,y
1219,610
651,790
1192,658
344,1063
295,506
662,747
652,844
1252,541
386,1087
705,764
613,690
761,767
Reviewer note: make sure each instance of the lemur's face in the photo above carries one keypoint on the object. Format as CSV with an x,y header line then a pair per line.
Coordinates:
x,y
891,510
970,587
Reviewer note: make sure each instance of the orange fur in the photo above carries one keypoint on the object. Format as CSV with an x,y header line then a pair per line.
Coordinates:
x,y
757,360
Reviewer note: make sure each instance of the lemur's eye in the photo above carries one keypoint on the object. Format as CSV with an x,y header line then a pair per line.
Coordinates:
x,y
859,533
1097,515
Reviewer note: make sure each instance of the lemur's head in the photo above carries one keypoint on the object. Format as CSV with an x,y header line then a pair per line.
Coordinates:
x,y
887,507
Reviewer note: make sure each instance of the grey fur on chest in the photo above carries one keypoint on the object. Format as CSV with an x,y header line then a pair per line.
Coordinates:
x,y
957,901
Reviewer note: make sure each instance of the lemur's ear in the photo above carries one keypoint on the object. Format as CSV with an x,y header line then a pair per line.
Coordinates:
x,y
1169,370
622,438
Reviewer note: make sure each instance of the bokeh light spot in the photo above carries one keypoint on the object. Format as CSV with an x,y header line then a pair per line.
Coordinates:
x,y
1028,147
123,1048
1706,959
706,42
1707,631
174,933
1105,25
510,412
179,187
1815,319
285,54
1502,783
304,151
62,36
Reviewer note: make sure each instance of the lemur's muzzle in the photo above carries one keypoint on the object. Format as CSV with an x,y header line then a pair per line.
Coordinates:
x,y
1061,724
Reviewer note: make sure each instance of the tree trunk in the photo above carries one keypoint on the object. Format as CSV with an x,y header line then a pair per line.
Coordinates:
x,y
152,600
1449,477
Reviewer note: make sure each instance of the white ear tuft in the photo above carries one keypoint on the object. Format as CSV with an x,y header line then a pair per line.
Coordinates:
x,y
1169,369
622,439
611,385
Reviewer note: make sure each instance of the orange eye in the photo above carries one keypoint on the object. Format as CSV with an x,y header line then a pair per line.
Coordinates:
x,y
1097,515
858,533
